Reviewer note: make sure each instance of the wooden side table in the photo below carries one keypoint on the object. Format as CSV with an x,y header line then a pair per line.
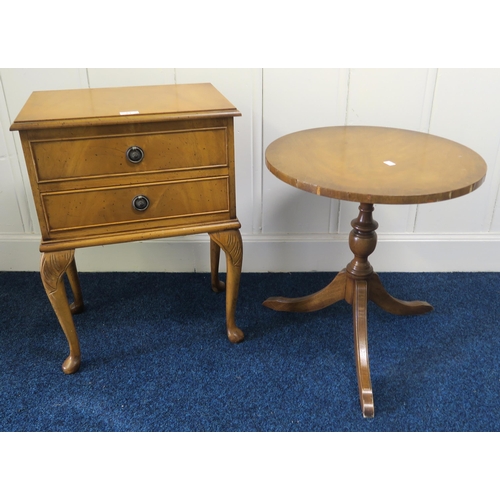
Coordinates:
x,y
369,165
124,164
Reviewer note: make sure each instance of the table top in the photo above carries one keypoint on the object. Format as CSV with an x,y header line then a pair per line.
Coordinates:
x,y
375,164
119,105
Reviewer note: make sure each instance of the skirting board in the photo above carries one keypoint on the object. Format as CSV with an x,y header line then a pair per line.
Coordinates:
x,y
277,253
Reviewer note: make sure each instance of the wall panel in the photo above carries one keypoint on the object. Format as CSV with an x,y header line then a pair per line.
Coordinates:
x,y
466,109
283,228
18,84
294,100
125,77
10,218
12,193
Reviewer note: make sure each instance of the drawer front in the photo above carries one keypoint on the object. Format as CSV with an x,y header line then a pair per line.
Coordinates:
x,y
107,156
109,209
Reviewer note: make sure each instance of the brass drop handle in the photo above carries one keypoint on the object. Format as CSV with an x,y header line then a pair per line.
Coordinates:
x,y
135,154
140,203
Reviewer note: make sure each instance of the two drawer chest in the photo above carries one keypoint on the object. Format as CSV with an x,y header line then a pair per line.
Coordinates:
x,y
114,165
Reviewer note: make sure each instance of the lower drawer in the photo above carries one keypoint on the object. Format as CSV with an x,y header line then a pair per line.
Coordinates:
x,y
110,208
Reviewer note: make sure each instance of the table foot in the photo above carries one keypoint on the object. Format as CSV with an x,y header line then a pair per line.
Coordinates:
x,y
230,242
333,292
52,269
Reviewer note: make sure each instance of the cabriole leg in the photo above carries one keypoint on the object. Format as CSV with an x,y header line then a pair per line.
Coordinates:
x,y
230,242
52,269
77,306
217,285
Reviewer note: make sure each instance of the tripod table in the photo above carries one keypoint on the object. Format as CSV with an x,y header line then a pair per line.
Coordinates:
x,y
369,165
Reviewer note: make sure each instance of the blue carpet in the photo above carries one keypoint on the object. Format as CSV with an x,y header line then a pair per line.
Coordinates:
x,y
155,357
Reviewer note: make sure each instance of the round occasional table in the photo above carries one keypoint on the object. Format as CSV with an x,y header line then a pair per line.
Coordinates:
x,y
369,165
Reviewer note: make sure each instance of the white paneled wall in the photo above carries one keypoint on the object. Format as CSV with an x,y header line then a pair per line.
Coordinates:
x,y
285,229
466,109
294,100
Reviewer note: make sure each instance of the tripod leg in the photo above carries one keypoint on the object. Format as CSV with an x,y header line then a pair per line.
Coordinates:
x,y
333,292
359,308
378,294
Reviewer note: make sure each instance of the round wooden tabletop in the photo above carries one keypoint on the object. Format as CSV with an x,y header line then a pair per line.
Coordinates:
x,y
375,164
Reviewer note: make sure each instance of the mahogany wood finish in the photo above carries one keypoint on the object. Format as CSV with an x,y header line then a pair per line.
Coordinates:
x,y
368,165
127,164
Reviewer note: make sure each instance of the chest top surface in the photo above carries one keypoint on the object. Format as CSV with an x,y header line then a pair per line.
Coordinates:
x,y
375,164
121,105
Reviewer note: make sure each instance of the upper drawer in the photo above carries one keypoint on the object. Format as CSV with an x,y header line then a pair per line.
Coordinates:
x,y
103,156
